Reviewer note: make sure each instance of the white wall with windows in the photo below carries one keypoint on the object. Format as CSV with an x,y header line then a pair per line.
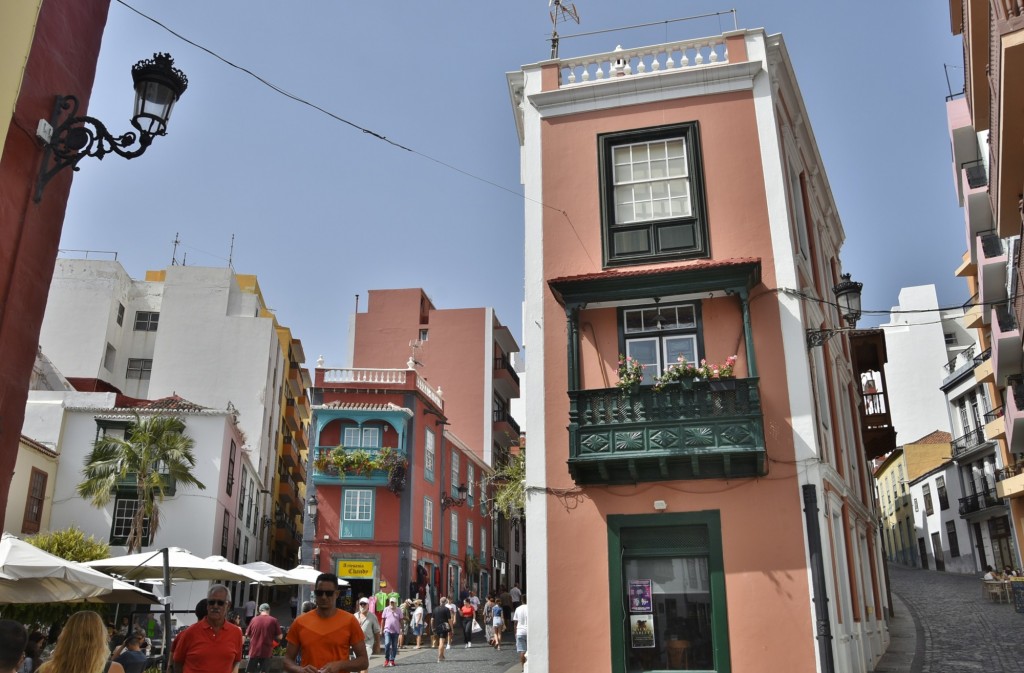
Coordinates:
x,y
935,498
206,522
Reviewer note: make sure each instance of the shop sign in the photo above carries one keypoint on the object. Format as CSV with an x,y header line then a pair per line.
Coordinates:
x,y
355,568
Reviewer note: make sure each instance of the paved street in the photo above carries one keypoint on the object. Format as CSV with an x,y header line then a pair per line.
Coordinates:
x,y
478,659
954,629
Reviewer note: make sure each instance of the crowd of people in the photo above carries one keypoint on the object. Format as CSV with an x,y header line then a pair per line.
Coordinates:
x,y
322,638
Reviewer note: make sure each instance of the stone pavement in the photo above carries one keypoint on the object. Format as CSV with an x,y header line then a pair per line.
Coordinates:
x,y
943,624
480,658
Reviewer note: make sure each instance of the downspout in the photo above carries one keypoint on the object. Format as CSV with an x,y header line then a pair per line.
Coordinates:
x,y
818,587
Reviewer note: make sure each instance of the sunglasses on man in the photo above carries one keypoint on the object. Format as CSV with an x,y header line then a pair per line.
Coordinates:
x,y
325,592
216,603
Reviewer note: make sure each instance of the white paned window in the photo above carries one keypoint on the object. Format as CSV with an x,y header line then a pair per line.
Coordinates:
x,y
455,528
651,181
455,471
469,533
428,455
358,505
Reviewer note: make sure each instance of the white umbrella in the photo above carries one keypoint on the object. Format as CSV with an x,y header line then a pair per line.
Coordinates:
x,y
253,575
183,565
30,575
279,576
307,575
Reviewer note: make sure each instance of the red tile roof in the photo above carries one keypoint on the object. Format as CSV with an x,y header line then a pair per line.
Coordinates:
x,y
936,437
693,265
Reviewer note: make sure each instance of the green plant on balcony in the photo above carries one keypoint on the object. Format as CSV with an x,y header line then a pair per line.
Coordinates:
x,y
359,462
682,370
323,462
396,465
631,372
509,484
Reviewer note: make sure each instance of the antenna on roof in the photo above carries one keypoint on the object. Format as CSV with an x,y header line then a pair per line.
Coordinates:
x,y
415,345
231,253
560,13
174,255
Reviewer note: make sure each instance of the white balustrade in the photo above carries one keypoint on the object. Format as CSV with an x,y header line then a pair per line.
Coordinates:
x,y
425,388
631,63
351,375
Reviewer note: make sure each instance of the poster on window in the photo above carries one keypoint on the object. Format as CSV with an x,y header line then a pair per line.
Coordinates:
x,y
641,631
640,597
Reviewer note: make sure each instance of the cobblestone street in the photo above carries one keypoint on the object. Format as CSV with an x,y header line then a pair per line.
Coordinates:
x,y
957,629
477,659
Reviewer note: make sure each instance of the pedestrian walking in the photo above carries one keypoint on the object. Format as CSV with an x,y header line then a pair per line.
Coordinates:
x,y
264,630
213,644
519,619
329,640
369,624
488,619
467,616
441,623
392,619
498,617
417,621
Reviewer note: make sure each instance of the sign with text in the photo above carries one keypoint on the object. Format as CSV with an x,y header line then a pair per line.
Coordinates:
x,y
355,568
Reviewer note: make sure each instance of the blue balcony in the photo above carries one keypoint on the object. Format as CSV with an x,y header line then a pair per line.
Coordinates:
x,y
328,474
689,430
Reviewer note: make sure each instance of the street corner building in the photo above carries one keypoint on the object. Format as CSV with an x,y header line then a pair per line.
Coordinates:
x,y
701,480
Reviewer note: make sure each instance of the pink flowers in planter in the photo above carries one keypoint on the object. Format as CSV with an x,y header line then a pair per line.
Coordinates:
x,y
682,369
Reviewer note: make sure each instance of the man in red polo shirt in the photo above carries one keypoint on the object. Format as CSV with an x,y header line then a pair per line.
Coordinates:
x,y
213,644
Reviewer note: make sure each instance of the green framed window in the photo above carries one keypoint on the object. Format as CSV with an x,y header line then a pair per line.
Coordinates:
x,y
357,513
667,589
652,195
428,455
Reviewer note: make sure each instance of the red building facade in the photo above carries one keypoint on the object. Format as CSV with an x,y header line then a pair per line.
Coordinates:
x,y
60,61
398,498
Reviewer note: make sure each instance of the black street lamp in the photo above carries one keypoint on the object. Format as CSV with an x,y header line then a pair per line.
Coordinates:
x,y
847,294
448,501
68,138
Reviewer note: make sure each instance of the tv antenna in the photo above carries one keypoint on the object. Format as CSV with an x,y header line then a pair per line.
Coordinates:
x,y
414,346
559,13
174,254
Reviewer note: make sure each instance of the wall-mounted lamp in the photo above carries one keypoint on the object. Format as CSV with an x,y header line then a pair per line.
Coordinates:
x,y
311,506
847,294
158,86
448,501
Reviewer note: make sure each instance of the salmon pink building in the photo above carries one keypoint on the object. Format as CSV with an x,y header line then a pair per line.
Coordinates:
x,y
713,518
398,497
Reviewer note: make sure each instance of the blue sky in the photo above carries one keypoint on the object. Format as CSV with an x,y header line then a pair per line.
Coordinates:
x,y
321,211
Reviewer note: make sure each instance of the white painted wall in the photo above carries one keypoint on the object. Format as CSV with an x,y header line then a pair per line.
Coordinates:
x,y
191,518
925,525
917,351
211,346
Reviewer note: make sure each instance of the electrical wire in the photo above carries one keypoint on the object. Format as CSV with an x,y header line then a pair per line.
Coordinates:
x,y
379,136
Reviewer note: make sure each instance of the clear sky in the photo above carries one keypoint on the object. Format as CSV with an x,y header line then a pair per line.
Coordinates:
x,y
322,211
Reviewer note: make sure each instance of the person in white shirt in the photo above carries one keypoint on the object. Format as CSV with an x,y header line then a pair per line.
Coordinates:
x,y
517,595
519,619
417,623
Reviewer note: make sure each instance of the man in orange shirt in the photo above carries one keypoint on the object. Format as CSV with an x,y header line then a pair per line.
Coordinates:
x,y
326,637
213,644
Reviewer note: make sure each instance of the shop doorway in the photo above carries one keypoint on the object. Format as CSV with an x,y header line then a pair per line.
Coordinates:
x,y
356,588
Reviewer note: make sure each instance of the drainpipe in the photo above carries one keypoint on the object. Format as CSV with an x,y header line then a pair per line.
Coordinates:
x,y
820,594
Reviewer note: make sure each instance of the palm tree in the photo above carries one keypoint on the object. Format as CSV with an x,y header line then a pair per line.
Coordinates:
x,y
155,452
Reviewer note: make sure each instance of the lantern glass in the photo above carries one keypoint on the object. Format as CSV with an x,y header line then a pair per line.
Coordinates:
x,y
311,506
153,104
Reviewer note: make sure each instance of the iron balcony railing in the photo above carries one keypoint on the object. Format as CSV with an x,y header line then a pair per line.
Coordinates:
x,y
991,244
993,415
978,502
971,303
977,175
503,363
502,416
984,355
966,443
964,357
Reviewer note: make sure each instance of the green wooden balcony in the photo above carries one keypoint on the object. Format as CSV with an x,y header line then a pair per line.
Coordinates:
x,y
689,430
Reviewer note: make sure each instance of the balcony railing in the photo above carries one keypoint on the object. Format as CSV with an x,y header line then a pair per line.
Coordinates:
x,y
970,303
966,443
503,363
689,430
978,502
993,415
983,356
962,359
977,175
503,416
1004,317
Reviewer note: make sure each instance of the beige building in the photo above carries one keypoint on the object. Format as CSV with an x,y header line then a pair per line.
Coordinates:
x,y
31,490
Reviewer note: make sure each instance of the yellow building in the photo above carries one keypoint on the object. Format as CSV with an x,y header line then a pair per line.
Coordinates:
x,y
892,485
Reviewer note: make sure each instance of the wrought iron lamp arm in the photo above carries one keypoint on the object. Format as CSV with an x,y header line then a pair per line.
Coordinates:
x,y
77,137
